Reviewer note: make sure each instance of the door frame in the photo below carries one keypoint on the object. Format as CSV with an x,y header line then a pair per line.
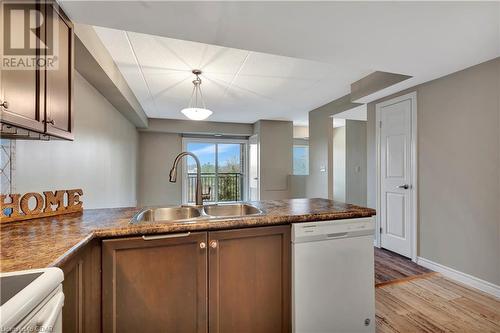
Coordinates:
x,y
256,137
413,172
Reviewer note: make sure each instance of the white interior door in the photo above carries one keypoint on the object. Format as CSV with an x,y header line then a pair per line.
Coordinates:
x,y
396,174
253,172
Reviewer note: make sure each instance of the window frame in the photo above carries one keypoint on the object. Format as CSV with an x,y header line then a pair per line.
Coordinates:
x,y
216,141
303,144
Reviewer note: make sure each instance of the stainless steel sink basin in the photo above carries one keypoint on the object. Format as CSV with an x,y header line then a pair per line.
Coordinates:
x,y
186,213
167,214
231,210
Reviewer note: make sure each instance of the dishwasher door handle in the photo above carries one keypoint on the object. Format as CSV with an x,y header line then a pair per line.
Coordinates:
x,y
337,235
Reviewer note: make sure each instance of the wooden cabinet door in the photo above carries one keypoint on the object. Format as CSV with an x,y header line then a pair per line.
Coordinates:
x,y
20,91
59,80
155,284
82,291
249,280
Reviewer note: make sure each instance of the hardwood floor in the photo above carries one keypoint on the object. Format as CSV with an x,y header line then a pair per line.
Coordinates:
x,y
433,303
391,267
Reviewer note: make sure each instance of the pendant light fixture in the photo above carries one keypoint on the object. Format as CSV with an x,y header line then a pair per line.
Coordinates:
x,y
196,110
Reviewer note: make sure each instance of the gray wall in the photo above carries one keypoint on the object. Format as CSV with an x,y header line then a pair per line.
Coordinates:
x,y
320,180
95,64
320,159
157,152
298,186
355,131
275,148
101,160
198,127
458,169
298,183
349,163
159,144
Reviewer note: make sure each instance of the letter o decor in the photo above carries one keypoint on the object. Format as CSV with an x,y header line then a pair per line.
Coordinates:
x,y
25,203
14,207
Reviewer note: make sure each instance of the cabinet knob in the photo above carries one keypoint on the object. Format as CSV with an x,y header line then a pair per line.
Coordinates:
x,y
213,244
50,121
203,245
4,104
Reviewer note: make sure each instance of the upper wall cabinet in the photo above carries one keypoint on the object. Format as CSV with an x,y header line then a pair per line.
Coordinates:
x,y
59,82
36,80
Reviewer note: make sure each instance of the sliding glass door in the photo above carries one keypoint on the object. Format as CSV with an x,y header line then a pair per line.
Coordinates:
x,y
223,169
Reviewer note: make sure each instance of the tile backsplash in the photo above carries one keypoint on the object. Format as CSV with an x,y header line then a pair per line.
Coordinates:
x,y
7,165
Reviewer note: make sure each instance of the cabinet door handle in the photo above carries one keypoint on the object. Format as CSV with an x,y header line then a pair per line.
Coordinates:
x,y
5,105
213,244
203,245
185,234
50,121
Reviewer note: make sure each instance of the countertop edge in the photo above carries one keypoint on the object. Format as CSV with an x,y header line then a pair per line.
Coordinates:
x,y
221,224
73,251
55,241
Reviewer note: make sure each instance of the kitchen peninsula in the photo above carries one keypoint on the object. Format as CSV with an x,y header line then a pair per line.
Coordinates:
x,y
86,244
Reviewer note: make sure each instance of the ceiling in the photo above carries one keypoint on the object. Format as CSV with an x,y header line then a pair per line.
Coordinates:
x,y
357,113
238,85
425,40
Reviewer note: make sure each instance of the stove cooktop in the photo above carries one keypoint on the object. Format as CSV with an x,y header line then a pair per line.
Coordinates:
x,y
11,285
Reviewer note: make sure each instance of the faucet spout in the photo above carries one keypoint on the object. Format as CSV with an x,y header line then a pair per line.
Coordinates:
x,y
173,174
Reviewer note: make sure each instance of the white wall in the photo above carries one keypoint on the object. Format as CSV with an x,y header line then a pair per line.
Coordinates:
x,y
102,160
339,164
157,152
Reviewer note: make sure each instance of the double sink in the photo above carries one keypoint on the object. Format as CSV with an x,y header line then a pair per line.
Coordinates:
x,y
194,213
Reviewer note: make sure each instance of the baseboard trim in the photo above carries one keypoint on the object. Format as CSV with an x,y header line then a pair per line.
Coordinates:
x,y
464,278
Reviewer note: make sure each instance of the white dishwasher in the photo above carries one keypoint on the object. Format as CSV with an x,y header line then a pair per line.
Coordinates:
x,y
333,287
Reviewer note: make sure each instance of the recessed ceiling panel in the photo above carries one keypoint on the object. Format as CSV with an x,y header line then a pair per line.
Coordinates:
x,y
238,85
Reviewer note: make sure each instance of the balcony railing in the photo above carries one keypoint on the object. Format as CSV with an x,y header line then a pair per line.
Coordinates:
x,y
225,186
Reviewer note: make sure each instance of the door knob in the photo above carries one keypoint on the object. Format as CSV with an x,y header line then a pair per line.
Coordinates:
x,y
50,121
213,244
5,105
203,245
404,186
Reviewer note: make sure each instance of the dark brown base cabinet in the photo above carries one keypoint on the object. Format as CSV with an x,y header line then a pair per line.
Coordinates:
x,y
155,285
249,280
82,291
222,281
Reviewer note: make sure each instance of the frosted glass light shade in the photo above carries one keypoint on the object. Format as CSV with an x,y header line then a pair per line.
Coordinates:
x,y
196,113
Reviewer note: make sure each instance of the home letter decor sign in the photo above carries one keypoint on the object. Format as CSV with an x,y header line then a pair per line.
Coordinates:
x,y
14,207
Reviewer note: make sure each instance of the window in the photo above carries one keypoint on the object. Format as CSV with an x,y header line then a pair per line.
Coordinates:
x,y
300,159
223,165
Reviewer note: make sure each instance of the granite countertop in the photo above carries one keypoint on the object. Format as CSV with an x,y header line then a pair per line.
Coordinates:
x,y
51,241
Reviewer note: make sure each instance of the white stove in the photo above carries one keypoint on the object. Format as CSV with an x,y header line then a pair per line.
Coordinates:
x,y
31,301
